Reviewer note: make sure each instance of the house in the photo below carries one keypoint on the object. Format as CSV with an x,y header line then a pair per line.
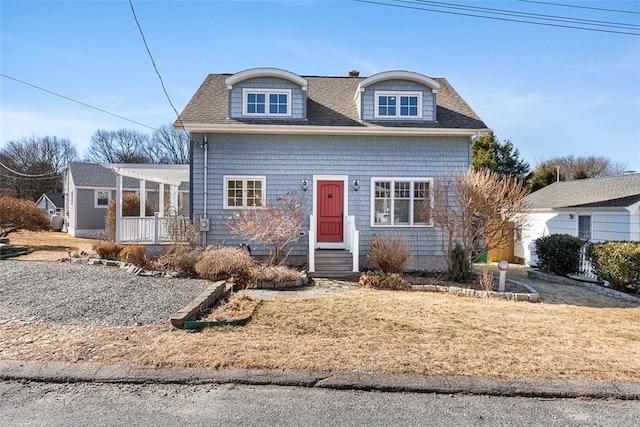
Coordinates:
x,y
362,152
90,187
595,209
52,204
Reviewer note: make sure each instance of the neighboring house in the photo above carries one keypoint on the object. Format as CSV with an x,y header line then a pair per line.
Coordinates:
x,y
90,187
363,152
53,204
595,209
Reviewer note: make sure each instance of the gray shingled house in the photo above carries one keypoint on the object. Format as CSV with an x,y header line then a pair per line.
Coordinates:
x,y
363,152
596,210
90,187
51,203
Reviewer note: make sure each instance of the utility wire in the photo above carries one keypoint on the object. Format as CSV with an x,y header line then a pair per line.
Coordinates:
x,y
581,7
31,178
76,101
27,175
153,62
380,3
538,16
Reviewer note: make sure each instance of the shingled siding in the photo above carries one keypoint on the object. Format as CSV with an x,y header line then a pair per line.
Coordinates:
x,y
287,160
428,98
298,97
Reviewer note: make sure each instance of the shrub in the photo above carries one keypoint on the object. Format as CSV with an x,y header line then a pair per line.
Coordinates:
x,y
278,273
389,254
224,262
617,262
134,254
181,259
559,254
380,280
130,207
109,251
460,265
21,214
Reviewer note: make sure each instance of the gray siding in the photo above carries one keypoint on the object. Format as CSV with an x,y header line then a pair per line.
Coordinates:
x,y
610,226
428,99
298,97
287,160
92,218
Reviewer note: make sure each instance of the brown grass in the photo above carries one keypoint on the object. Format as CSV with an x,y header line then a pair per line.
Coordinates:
x,y
373,331
51,245
238,306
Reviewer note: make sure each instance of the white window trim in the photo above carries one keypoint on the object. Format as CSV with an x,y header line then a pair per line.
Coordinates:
x,y
244,179
391,223
267,92
590,226
377,94
95,199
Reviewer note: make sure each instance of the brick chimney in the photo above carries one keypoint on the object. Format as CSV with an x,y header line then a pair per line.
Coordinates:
x,y
354,73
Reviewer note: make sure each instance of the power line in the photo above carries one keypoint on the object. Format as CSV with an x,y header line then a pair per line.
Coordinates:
x,y
153,62
380,3
31,178
76,101
581,7
538,16
27,175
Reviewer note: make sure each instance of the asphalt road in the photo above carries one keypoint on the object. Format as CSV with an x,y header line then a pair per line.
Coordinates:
x,y
95,404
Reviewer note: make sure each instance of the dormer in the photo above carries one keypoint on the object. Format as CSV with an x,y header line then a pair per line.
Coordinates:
x,y
397,96
268,94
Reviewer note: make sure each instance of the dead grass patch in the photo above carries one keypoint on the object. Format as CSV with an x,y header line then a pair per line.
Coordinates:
x,y
238,306
371,331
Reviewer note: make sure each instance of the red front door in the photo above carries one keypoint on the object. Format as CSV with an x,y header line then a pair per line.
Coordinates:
x,y
330,205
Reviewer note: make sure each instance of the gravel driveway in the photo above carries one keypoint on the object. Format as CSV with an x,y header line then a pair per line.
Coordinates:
x,y
90,294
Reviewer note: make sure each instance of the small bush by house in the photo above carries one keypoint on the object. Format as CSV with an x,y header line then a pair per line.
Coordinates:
x,y
221,263
559,254
617,262
389,254
460,265
182,259
109,251
134,254
381,280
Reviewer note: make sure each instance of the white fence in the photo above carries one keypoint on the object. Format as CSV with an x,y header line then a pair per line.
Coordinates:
x,y
154,230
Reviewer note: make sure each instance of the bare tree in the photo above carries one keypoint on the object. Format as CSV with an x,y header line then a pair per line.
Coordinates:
x,y
35,165
169,145
476,209
569,168
276,225
120,146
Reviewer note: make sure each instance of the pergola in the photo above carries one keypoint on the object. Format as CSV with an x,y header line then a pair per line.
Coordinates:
x,y
136,229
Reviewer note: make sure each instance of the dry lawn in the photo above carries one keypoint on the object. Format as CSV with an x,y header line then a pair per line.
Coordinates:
x,y
50,245
372,331
572,333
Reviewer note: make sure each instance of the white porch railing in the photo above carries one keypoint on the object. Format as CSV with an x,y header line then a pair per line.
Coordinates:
x,y
586,268
153,230
352,242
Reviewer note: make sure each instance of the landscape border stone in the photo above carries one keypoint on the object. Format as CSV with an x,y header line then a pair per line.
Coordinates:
x,y
532,296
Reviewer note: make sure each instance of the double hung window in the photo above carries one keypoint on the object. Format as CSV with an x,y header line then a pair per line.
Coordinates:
x,y
102,198
584,227
258,102
400,201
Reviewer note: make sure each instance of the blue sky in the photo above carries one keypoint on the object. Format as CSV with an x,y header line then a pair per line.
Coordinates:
x,y
551,91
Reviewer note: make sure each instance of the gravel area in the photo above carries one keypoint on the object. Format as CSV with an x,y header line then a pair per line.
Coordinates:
x,y
90,294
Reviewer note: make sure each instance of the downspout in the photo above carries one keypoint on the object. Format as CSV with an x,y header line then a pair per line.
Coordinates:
x,y
205,147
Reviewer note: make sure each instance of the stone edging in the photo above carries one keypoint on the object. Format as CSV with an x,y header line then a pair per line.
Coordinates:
x,y
131,268
539,275
533,296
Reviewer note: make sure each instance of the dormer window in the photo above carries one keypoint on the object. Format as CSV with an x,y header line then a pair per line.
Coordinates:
x,y
261,102
390,105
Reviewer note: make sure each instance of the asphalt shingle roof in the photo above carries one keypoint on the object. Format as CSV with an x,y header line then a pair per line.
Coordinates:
x,y
56,199
330,103
95,175
610,191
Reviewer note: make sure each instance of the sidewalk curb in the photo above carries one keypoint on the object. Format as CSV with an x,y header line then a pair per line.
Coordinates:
x,y
65,372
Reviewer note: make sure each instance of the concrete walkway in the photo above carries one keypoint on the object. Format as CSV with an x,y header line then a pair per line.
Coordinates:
x,y
320,288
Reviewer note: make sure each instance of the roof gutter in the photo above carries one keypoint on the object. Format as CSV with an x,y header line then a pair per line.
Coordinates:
x,y
330,130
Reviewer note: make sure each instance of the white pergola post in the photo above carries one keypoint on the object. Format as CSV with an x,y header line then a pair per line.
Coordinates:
x,y
161,198
118,208
143,198
173,195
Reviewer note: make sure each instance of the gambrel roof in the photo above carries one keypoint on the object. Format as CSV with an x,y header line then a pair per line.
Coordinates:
x,y
610,191
330,103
